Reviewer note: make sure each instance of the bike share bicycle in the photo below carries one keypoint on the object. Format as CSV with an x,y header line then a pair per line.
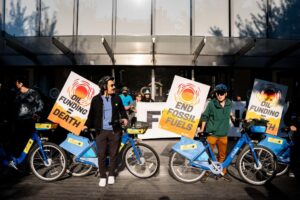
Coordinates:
x,y
140,159
191,159
47,160
281,147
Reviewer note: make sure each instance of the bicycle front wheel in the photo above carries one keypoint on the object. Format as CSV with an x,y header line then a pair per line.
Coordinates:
x,y
77,168
253,174
181,170
147,166
55,166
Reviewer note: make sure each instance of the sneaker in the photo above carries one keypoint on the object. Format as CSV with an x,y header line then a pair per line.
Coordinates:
x,y
102,182
291,175
226,177
111,180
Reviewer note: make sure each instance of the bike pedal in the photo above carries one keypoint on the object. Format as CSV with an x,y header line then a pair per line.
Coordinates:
x,y
12,165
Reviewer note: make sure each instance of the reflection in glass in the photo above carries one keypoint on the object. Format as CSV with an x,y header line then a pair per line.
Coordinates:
x,y
172,17
95,17
133,17
211,18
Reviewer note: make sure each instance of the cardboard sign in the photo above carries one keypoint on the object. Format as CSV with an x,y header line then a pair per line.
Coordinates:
x,y
72,106
267,101
184,106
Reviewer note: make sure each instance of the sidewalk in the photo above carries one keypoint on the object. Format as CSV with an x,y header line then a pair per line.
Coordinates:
x,y
161,187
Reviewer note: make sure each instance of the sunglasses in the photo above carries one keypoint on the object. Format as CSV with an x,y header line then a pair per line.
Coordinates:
x,y
221,93
112,85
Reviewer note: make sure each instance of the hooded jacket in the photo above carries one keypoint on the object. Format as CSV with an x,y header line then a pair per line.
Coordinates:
x,y
217,118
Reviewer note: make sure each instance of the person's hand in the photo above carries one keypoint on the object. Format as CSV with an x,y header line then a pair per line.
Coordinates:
x,y
293,128
84,128
124,122
35,117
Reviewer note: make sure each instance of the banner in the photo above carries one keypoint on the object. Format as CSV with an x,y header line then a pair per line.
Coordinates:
x,y
151,113
267,101
184,106
72,106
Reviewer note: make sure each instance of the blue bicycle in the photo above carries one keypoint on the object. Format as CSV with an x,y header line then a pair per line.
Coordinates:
x,y
47,160
191,159
140,159
281,147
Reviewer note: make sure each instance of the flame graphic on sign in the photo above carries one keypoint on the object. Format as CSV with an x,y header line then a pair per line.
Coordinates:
x,y
188,93
269,93
83,90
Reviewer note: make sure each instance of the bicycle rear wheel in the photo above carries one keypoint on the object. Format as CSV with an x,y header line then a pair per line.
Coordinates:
x,y
282,168
56,162
257,175
182,171
149,162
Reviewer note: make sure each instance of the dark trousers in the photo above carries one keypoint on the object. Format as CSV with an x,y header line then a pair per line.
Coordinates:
x,y
107,141
295,153
22,131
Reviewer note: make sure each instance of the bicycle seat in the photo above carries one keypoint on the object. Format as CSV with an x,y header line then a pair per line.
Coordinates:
x,y
45,126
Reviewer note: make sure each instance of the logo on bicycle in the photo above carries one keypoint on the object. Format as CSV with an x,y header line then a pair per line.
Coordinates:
x,y
81,92
188,94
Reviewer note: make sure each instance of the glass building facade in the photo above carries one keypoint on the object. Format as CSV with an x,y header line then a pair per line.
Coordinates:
x,y
152,40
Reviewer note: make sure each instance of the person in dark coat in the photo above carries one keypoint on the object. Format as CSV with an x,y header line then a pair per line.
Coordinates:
x,y
105,116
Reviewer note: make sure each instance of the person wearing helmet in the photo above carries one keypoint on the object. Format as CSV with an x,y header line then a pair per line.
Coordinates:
x,y
147,96
106,112
215,120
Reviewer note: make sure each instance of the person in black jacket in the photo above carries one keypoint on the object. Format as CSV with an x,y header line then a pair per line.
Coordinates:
x,y
106,115
292,120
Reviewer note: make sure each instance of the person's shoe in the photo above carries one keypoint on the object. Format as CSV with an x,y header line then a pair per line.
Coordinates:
x,y
226,177
111,180
204,178
102,182
291,175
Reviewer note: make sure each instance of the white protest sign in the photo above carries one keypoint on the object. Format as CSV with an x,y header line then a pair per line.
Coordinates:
x,y
73,103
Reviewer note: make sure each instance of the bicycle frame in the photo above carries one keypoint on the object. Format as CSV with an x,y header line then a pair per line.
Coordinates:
x,y
212,163
16,161
94,160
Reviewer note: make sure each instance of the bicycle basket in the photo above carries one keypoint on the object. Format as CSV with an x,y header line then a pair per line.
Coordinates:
x,y
190,149
256,126
77,144
274,143
45,126
140,124
139,128
257,129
